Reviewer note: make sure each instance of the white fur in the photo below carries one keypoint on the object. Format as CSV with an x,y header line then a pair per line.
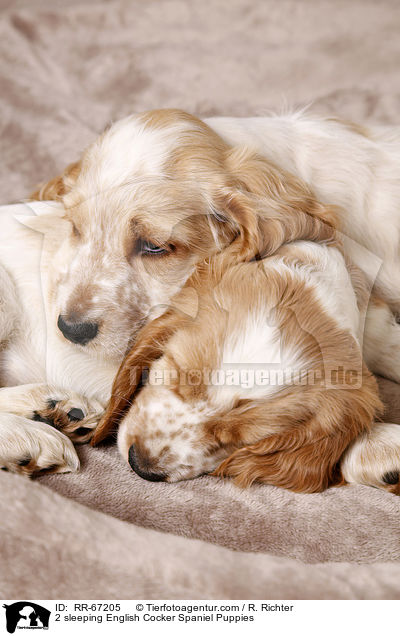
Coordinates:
x,y
373,455
169,431
33,353
331,283
165,414
127,153
22,439
381,342
360,175
259,342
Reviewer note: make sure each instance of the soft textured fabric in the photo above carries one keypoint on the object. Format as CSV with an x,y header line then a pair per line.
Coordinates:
x,y
356,523
67,69
54,548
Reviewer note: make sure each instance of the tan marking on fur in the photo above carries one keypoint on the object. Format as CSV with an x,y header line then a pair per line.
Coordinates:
x,y
202,181
148,348
56,188
315,428
263,207
273,207
296,438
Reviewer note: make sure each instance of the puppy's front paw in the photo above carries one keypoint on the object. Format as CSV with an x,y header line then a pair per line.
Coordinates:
x,y
28,447
72,414
69,412
374,459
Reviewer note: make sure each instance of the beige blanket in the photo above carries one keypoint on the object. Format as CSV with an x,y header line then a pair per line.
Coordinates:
x,y
55,548
67,68
354,523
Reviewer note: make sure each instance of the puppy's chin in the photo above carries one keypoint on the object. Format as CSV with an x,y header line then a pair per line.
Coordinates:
x,y
110,347
125,438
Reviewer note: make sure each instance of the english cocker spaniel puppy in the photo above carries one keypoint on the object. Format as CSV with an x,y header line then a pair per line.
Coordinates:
x,y
255,372
158,193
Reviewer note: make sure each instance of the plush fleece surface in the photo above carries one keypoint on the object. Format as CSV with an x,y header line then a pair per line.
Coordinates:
x,y
53,548
354,523
67,69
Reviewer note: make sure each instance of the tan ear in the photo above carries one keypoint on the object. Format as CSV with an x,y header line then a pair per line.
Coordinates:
x,y
148,347
289,461
56,188
303,455
271,206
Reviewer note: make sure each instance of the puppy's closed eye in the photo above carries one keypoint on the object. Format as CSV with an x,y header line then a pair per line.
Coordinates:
x,y
145,247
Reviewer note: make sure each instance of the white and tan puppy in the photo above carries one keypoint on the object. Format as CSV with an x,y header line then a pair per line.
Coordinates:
x,y
45,378
158,192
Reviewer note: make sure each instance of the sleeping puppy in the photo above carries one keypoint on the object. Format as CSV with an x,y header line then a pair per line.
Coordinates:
x,y
255,372
152,197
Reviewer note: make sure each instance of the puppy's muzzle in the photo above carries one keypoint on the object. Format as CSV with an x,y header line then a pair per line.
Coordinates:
x,y
77,332
142,466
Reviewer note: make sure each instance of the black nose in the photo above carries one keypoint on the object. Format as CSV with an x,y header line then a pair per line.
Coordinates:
x,y
142,466
77,332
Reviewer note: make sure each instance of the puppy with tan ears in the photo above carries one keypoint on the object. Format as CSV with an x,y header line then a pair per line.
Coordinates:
x,y
256,373
151,198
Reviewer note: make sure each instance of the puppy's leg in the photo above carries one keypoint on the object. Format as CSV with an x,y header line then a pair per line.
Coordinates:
x,y
27,447
373,458
9,307
69,412
382,341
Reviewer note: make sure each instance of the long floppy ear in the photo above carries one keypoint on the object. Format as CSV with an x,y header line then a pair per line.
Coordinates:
x,y
148,347
271,206
290,461
304,456
56,188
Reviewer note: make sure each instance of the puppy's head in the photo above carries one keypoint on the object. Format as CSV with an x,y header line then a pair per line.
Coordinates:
x,y
151,197
221,392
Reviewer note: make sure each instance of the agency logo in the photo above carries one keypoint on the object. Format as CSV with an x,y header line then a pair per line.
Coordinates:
x,y
26,615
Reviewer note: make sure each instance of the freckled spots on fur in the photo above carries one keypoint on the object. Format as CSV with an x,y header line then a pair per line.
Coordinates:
x,y
156,435
170,460
247,188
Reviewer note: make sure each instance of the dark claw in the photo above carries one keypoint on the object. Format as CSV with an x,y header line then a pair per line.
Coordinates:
x,y
391,477
38,418
76,415
24,462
